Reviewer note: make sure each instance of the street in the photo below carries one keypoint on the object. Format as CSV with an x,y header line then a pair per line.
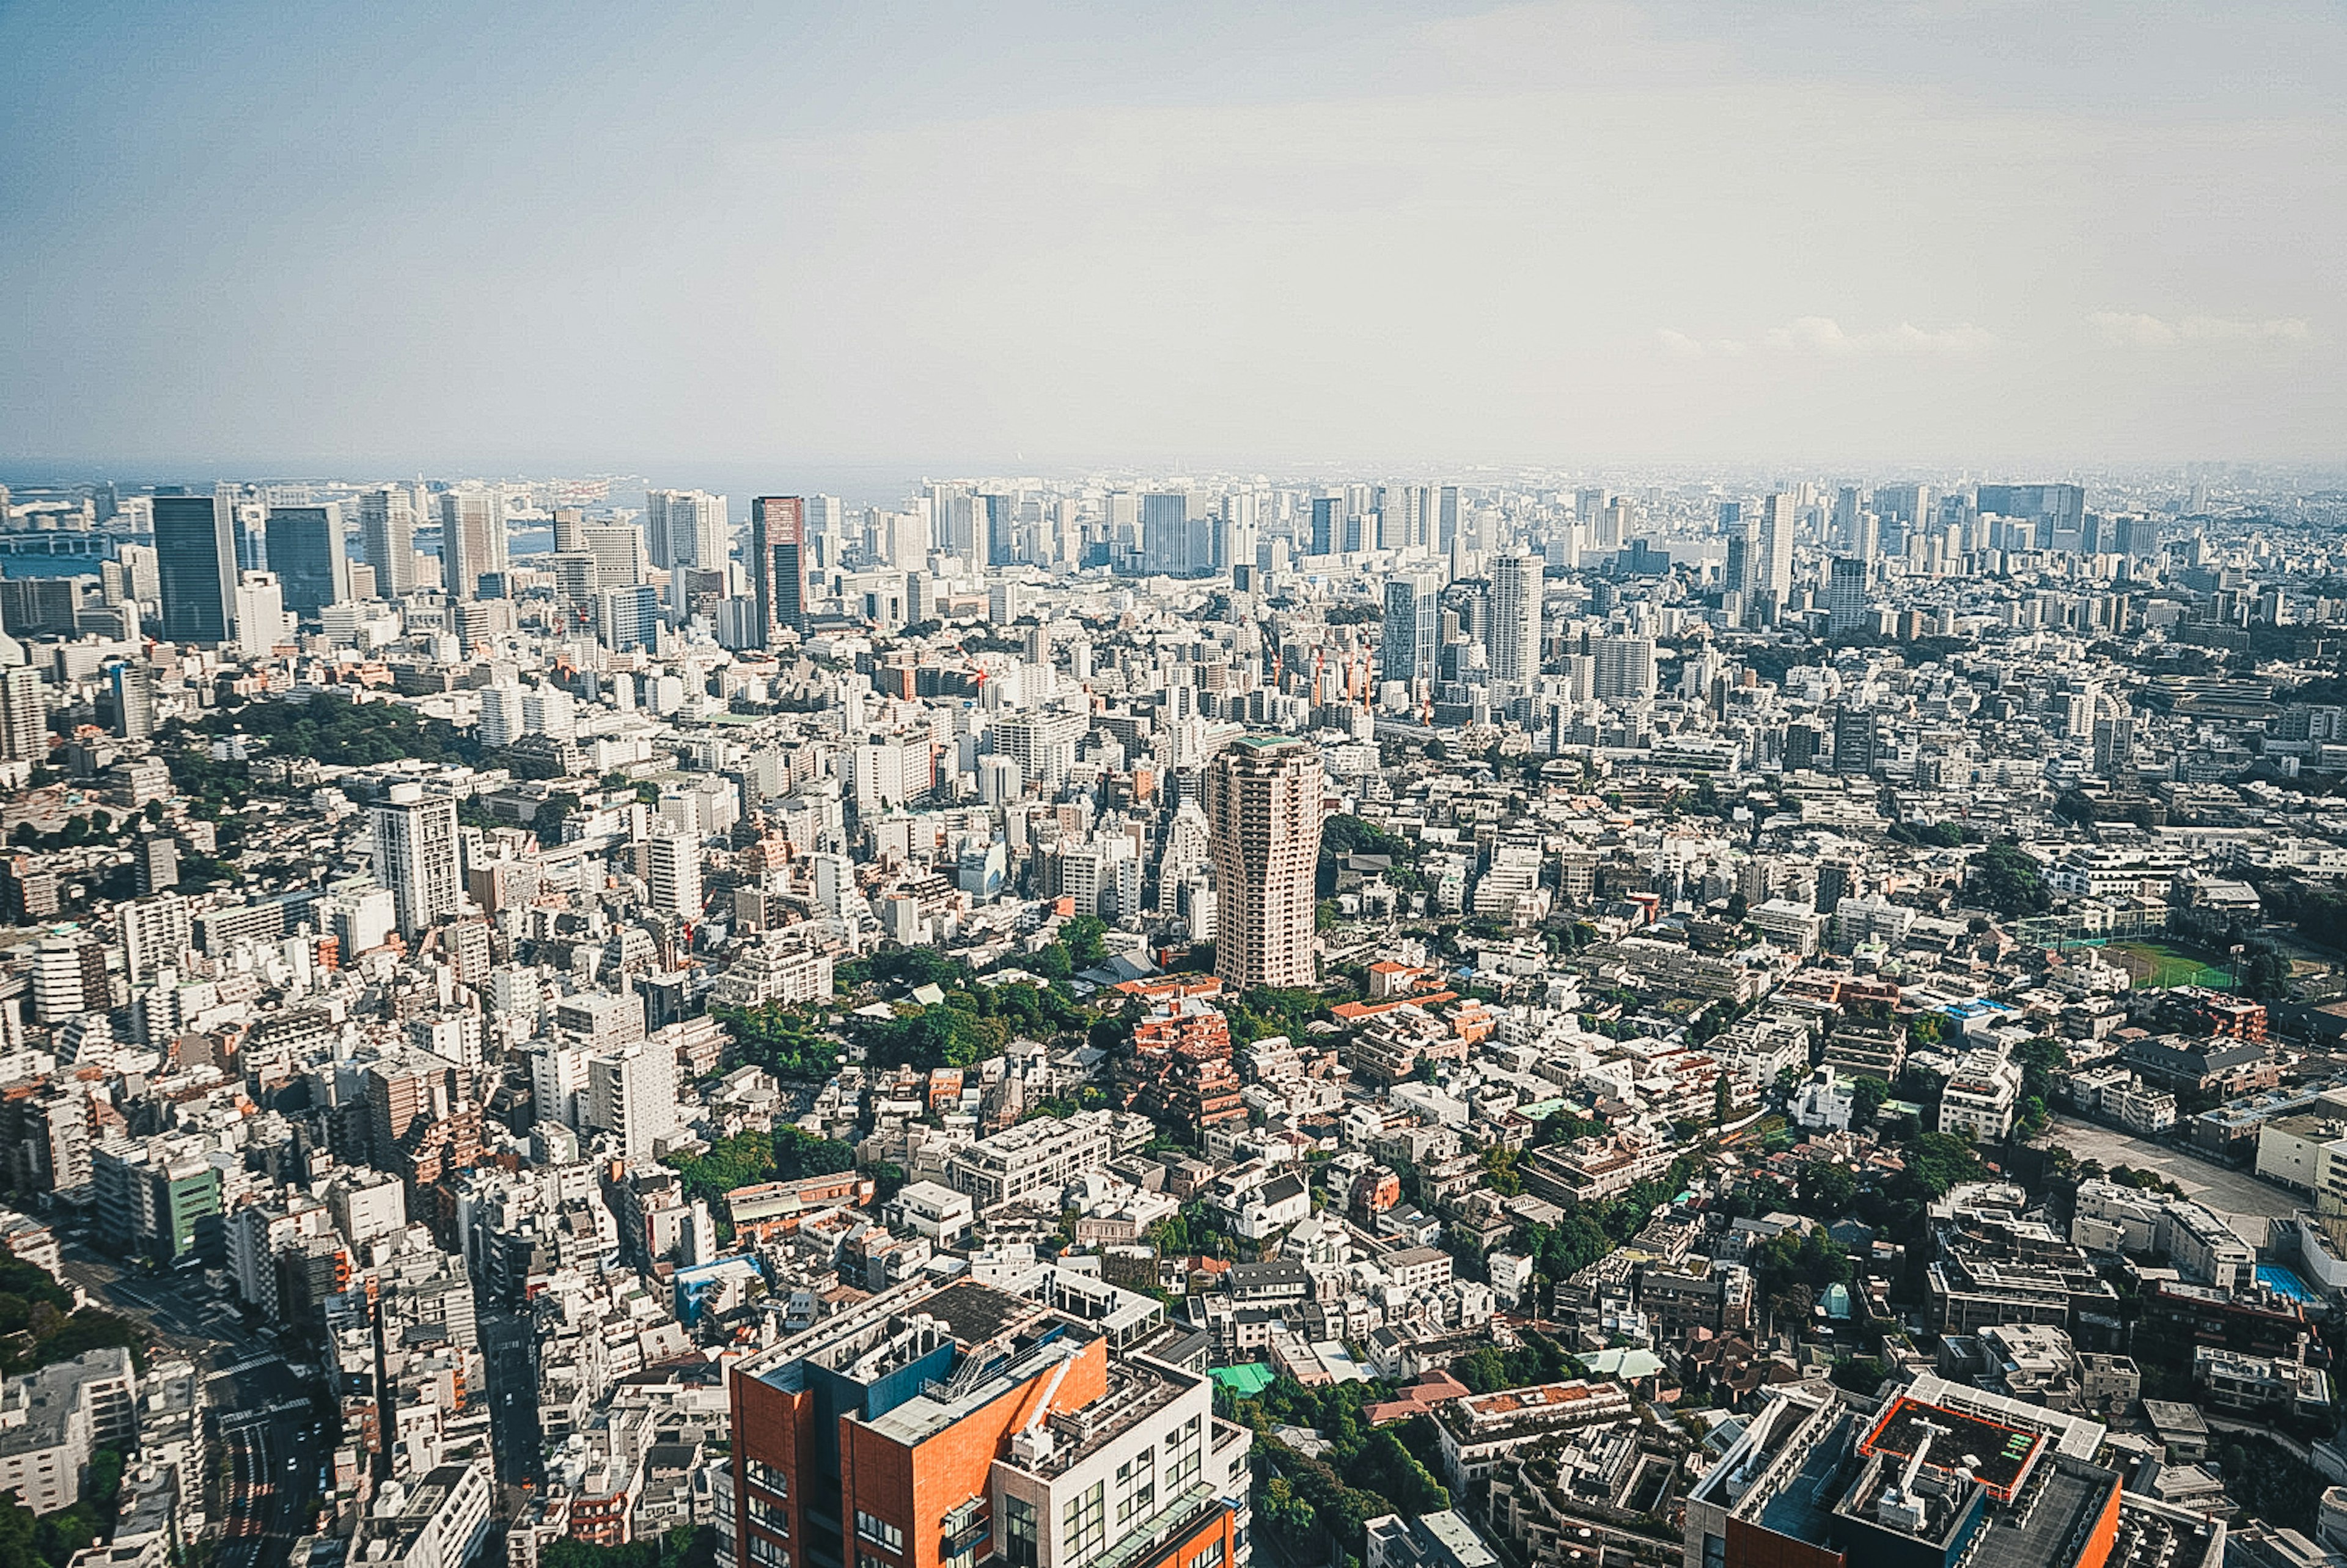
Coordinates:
x,y
2243,1202
260,1414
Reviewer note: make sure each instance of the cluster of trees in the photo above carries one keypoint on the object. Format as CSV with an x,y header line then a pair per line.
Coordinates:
x,y
1589,1230
906,966
38,1324
788,1041
1368,1472
27,1541
686,1546
334,730
2040,1060
2004,878
1268,1010
972,1023
98,827
1539,1359
1079,945
2269,1482
747,1158
1794,1269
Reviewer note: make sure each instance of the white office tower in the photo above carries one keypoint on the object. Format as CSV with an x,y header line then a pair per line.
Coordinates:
x,y
23,715
1624,669
1772,576
261,623
388,539
672,874
618,550
360,919
686,529
472,538
1514,641
550,710
415,856
1043,744
155,934
1264,818
558,1084
61,971
501,716
835,885
631,1095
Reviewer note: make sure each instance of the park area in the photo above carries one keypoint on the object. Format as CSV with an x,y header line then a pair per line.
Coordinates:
x,y
2160,965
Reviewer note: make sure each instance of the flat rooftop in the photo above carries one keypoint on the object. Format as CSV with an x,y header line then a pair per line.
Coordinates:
x,y
1997,1454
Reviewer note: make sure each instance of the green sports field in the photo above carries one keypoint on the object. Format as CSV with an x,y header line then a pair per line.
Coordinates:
x,y
2160,965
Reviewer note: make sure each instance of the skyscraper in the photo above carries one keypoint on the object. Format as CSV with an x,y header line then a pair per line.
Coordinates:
x,y
685,528
1623,669
306,553
1413,617
632,1094
415,856
195,564
132,686
1772,571
778,564
23,715
387,536
1264,816
472,538
261,623
1514,645
1327,519
1846,597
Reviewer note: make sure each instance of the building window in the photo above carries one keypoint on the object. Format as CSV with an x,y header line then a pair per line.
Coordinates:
x,y
759,1474
1083,1525
1715,1551
879,1531
1183,1456
767,1554
1136,1487
1210,1555
1018,1533
767,1515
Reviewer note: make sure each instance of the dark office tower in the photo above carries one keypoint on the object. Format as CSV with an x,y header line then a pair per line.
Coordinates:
x,y
1446,526
1845,608
195,563
38,606
306,551
1800,747
778,551
2051,508
994,520
1854,742
1731,515
1833,886
1327,519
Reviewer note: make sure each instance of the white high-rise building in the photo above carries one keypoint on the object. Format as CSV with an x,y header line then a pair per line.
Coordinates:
x,y
1772,574
501,715
261,623
415,856
1264,816
23,715
672,874
632,1094
472,538
550,710
618,550
558,1084
686,529
1516,635
1624,669
387,536
155,933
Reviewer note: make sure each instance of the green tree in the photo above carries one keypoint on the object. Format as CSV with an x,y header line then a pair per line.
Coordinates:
x,y
2005,877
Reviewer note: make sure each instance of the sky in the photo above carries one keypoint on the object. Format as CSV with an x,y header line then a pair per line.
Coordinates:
x,y
630,238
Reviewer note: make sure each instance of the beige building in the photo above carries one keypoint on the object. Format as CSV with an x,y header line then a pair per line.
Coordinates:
x,y
1263,816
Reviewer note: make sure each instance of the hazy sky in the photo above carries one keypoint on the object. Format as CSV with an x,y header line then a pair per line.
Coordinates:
x,y
650,236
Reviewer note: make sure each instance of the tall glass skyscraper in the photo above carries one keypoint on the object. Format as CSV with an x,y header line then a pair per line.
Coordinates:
x,y
306,552
195,563
778,564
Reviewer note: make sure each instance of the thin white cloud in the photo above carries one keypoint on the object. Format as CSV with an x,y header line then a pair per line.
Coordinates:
x,y
2133,329
1824,337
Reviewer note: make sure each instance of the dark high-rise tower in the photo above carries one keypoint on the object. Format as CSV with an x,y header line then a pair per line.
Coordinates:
x,y
195,566
778,564
306,551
